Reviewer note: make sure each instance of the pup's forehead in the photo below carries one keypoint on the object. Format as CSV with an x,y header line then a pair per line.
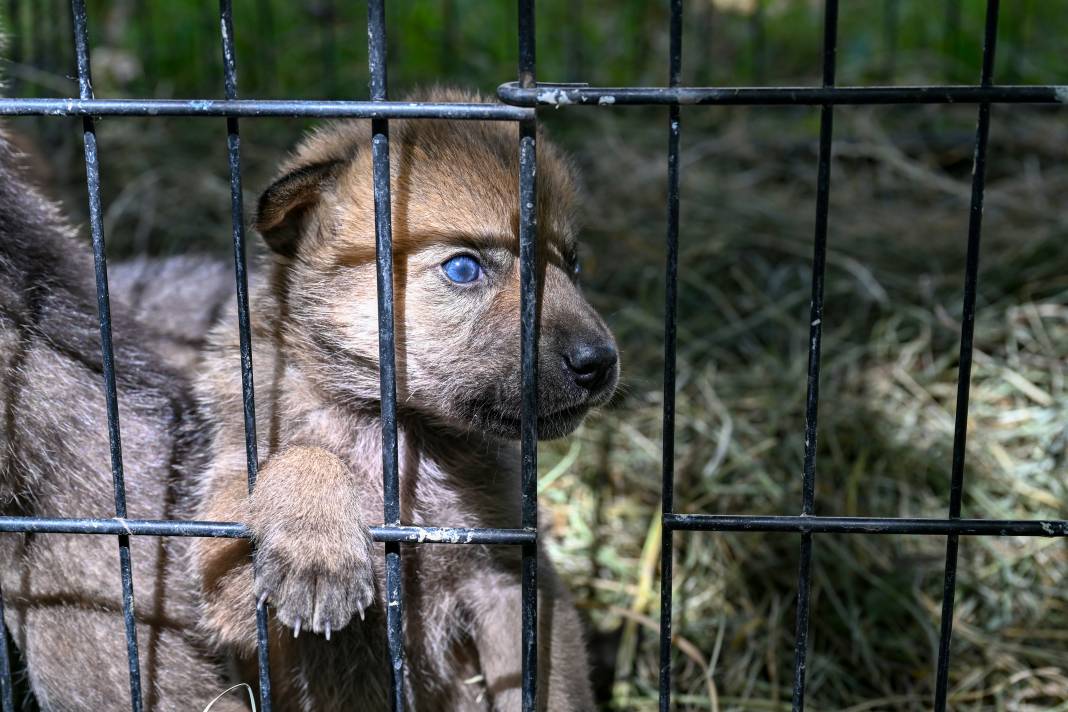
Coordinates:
x,y
449,179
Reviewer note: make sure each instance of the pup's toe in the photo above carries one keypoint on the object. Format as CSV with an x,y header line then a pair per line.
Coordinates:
x,y
339,598
308,596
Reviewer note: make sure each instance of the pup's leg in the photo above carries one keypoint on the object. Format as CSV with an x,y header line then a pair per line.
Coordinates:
x,y
313,550
563,674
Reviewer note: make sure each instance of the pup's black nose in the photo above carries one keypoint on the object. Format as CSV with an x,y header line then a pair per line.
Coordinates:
x,y
591,365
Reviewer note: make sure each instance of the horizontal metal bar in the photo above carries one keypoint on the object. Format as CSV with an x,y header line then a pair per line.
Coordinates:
x,y
865,525
459,535
133,527
565,94
452,535
233,530
262,107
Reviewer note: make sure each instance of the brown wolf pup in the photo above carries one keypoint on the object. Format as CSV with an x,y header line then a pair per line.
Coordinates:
x,y
455,221
455,218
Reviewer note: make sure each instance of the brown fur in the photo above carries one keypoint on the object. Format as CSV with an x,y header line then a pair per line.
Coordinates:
x,y
320,481
316,355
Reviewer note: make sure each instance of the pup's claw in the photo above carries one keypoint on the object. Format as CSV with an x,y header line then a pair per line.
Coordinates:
x,y
327,631
296,628
366,598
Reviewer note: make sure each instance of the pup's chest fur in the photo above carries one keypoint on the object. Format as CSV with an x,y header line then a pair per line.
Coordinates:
x,y
447,478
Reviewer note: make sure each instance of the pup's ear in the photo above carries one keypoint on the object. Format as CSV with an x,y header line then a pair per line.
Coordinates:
x,y
284,205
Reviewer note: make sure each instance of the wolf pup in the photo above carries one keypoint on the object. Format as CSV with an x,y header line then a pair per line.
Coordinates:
x,y
315,345
62,593
455,221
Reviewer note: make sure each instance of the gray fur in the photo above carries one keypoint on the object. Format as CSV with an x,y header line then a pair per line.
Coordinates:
x,y
62,592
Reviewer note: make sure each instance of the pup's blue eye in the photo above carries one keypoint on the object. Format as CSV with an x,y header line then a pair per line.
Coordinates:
x,y
462,269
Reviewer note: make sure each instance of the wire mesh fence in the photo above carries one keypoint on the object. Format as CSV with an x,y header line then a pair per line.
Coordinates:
x,y
521,99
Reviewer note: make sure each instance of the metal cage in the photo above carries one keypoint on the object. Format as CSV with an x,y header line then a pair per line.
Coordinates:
x,y
521,100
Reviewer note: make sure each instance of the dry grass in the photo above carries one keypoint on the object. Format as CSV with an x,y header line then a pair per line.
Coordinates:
x,y
898,229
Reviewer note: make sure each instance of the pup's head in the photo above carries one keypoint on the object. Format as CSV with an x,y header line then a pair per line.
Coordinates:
x,y
455,216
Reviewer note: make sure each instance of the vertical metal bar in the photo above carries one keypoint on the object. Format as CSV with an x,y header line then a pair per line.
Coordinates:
x,y
237,222
964,371
7,692
96,226
528,300
376,45
667,487
819,259
526,44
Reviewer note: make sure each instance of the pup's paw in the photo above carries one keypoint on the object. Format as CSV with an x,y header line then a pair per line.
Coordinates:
x,y
314,555
315,580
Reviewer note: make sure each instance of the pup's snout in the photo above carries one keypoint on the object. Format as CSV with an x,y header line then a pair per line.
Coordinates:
x,y
591,365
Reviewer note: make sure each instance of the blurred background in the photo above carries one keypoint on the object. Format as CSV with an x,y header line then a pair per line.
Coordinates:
x,y
898,226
